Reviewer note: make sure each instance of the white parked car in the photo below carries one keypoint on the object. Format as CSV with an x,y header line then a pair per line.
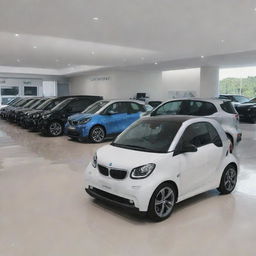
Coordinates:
x,y
221,110
159,161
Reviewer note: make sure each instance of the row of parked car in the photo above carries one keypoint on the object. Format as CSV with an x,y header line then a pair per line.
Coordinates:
x,y
245,107
91,117
179,149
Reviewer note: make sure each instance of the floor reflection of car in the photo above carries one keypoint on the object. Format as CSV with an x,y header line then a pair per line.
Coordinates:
x,y
104,119
220,110
159,161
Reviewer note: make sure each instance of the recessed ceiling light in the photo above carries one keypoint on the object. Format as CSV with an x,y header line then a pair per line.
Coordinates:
x,y
35,47
69,65
202,56
222,40
18,60
17,35
156,63
142,58
57,60
255,9
92,52
95,18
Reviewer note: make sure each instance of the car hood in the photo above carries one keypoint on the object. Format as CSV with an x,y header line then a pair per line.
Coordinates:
x,y
121,158
80,116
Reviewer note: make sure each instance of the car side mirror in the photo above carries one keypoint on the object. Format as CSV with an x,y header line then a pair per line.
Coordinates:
x,y
188,148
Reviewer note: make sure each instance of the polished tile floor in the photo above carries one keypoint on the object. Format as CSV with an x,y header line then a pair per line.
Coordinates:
x,y
44,210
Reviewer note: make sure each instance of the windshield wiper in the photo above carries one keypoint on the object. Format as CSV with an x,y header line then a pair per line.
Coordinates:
x,y
135,147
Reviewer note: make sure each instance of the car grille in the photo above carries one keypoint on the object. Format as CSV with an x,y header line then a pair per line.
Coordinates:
x,y
118,174
103,170
114,173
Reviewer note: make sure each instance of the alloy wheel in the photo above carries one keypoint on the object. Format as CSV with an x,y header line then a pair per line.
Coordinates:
x,y
230,179
55,128
164,202
98,134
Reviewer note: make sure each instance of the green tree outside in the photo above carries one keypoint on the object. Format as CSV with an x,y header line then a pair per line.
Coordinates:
x,y
241,86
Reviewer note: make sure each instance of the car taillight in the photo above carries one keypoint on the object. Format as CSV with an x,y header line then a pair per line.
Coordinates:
x,y
230,147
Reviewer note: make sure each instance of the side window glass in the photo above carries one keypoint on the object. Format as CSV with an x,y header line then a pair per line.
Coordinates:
x,y
78,105
215,138
134,108
197,134
205,109
170,108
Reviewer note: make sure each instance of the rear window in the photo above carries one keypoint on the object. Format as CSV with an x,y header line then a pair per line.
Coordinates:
x,y
228,107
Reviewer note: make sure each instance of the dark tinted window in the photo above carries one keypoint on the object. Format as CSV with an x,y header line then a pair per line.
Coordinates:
x,y
30,90
215,138
13,90
78,105
200,108
197,134
228,107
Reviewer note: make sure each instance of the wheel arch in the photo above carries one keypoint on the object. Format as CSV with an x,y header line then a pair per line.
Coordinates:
x,y
173,183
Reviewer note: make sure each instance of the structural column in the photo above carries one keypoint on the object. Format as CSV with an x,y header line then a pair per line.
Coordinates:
x,y
209,82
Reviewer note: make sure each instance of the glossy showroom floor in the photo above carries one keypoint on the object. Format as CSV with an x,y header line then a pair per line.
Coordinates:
x,y
45,211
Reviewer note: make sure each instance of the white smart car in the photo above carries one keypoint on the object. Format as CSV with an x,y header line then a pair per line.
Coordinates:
x,y
159,161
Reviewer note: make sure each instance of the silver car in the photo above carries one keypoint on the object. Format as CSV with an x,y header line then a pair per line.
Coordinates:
x,y
218,109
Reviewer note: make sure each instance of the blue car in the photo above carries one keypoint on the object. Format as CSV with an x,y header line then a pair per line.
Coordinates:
x,y
104,119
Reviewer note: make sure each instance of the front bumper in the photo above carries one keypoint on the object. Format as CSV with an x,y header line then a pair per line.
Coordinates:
x,y
126,193
113,199
79,131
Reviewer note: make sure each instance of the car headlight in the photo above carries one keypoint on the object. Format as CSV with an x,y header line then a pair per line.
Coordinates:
x,y
84,121
94,160
143,171
46,116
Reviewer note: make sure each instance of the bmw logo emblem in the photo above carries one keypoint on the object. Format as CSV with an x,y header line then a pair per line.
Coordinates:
x,y
110,164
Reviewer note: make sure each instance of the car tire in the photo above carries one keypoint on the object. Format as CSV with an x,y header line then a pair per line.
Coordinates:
x,y
162,202
228,180
97,134
55,129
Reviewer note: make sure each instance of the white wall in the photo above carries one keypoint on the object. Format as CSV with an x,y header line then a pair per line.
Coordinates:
x,y
125,84
181,81
118,84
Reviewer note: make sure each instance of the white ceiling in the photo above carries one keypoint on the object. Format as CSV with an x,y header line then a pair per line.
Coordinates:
x,y
128,33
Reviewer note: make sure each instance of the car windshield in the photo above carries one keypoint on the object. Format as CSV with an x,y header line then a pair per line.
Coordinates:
x,y
37,103
44,104
95,107
29,103
62,105
150,135
240,99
